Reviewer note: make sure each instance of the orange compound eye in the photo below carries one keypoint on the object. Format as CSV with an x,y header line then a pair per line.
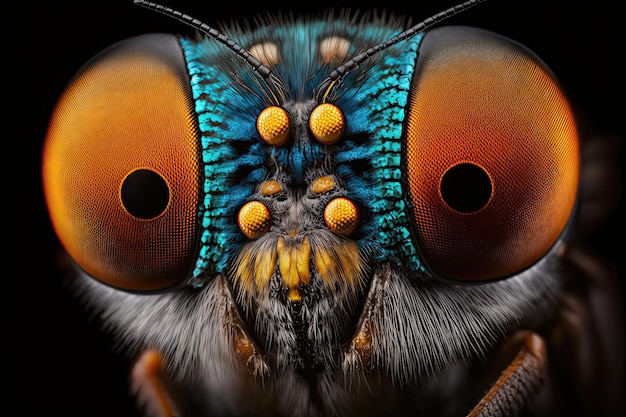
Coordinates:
x,y
341,216
121,166
273,125
327,123
491,156
254,219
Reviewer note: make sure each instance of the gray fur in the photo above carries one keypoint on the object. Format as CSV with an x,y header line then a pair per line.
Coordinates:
x,y
423,331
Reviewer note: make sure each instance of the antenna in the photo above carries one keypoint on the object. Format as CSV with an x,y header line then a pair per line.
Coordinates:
x,y
357,60
256,65
335,76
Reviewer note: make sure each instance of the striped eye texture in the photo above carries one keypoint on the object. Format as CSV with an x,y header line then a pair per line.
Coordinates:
x,y
491,156
121,166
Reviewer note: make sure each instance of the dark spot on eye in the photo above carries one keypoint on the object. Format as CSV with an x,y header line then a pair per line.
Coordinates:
x,y
145,194
466,188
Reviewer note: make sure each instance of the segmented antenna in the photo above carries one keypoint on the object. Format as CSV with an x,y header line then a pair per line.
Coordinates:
x,y
256,65
335,76
357,60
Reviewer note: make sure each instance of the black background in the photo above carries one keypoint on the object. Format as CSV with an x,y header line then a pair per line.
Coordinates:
x,y
61,365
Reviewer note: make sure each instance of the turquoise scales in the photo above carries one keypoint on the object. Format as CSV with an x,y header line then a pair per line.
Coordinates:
x,y
374,108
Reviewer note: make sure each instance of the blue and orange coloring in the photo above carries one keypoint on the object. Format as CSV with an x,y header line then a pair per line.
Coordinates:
x,y
374,114
157,191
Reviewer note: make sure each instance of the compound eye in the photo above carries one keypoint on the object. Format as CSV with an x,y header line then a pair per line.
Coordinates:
x,y
121,166
491,156
327,123
273,125
341,216
254,219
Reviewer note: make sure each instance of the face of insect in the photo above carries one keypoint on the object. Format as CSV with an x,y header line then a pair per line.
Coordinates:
x,y
291,245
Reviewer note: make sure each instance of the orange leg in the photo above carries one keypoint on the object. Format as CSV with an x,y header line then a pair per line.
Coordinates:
x,y
523,376
149,386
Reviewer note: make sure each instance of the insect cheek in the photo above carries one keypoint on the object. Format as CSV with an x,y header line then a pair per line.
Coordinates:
x,y
121,166
491,156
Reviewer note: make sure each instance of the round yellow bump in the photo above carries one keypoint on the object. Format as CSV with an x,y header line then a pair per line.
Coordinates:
x,y
273,125
271,187
322,184
327,123
266,52
254,219
334,49
341,216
